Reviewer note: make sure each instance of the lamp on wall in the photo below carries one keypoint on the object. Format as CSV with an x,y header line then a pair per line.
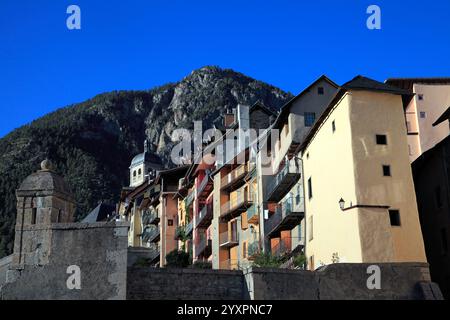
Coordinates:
x,y
342,204
368,206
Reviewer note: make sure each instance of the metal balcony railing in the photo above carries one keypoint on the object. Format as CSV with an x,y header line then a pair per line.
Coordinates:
x,y
234,176
204,183
283,181
184,230
239,203
202,245
189,227
189,199
150,234
228,240
287,215
204,216
150,216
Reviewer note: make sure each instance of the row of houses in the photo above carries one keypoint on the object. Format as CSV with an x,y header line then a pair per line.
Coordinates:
x,y
328,176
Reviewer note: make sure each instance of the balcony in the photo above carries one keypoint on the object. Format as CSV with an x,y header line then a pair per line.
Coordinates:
x,y
189,228
237,205
184,231
150,216
283,181
253,215
203,247
235,178
189,199
281,249
204,216
151,234
205,187
229,264
227,240
287,215
253,250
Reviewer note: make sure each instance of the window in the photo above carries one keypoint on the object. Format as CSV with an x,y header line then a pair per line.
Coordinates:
x,y
311,263
310,117
423,114
386,170
333,126
59,218
420,96
307,155
394,217
310,228
320,90
437,196
33,215
244,221
139,172
170,222
381,139
310,193
134,173
444,242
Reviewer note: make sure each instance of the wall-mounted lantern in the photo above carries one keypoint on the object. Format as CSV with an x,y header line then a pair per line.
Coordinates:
x,y
342,204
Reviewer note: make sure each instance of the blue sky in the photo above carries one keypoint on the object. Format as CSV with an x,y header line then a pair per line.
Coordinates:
x,y
140,44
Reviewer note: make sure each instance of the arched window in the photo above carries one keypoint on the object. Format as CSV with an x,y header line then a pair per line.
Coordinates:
x,y
139,172
60,216
33,212
134,173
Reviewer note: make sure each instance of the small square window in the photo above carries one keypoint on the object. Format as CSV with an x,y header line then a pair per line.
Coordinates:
x,y
386,170
423,114
310,117
381,139
420,96
170,222
320,90
394,217
333,126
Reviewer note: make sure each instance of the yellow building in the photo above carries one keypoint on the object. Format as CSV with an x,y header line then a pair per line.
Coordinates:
x,y
359,193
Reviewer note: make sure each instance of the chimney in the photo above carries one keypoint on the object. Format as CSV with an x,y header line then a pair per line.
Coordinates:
x,y
228,118
243,118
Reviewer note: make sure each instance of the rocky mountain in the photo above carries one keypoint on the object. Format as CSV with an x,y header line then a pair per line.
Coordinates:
x,y
92,143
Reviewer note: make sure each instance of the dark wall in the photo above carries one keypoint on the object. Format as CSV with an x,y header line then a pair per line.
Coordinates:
x,y
338,281
99,249
185,284
343,281
431,180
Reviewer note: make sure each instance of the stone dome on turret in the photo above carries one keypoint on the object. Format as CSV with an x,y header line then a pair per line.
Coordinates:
x,y
45,181
146,157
